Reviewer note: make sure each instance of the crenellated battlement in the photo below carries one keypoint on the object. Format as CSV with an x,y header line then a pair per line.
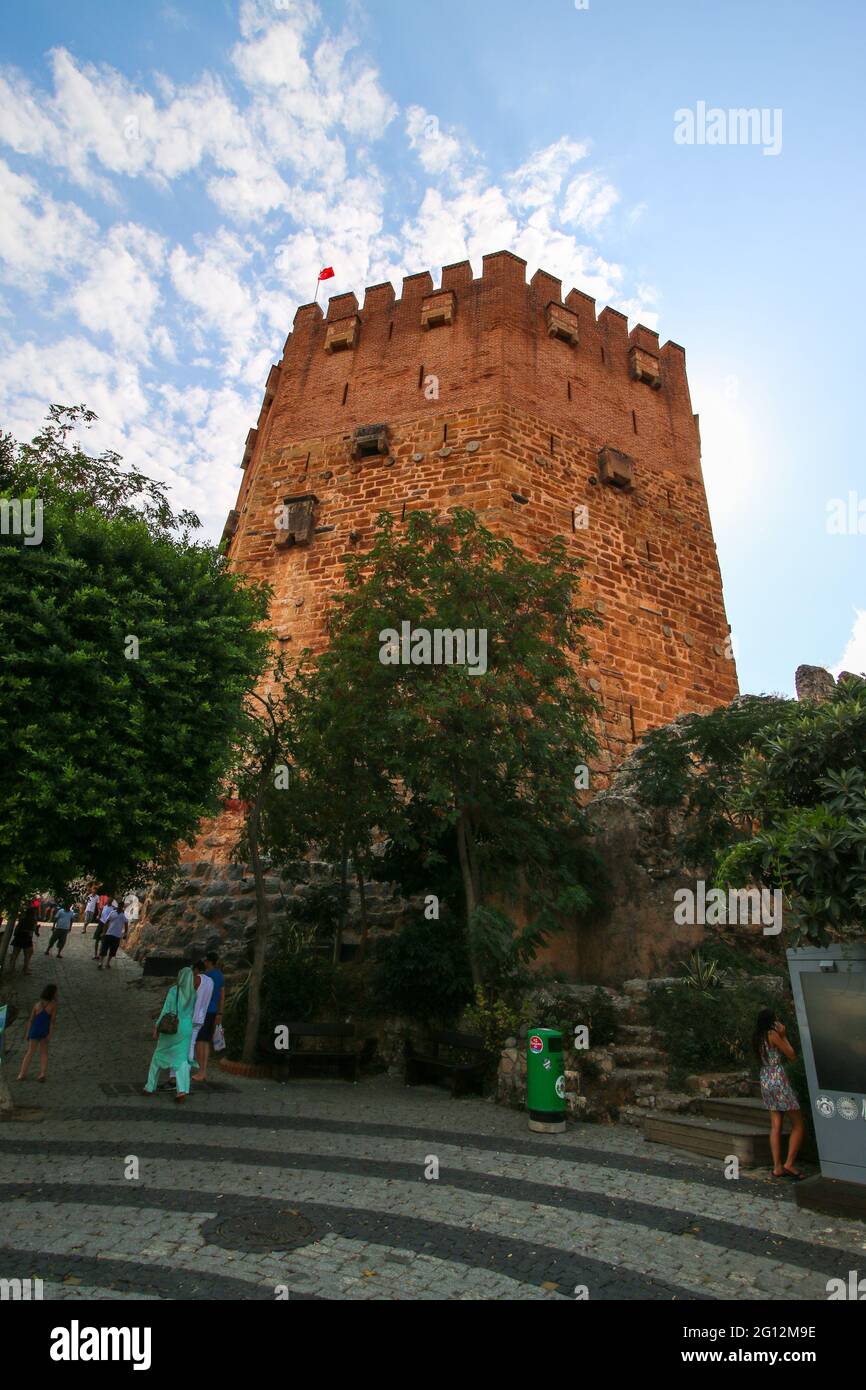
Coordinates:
x,y
478,341
502,272
547,417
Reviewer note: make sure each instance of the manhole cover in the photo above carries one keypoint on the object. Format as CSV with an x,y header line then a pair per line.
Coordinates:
x,y
281,1230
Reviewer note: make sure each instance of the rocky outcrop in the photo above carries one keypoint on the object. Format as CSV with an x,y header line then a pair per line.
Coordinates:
x,y
814,683
213,906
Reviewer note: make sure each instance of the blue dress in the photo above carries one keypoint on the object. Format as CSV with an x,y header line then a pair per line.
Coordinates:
x,y
777,1092
40,1027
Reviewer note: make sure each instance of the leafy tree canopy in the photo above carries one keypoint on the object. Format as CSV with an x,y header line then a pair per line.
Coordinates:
x,y
445,758
694,766
125,653
773,794
804,787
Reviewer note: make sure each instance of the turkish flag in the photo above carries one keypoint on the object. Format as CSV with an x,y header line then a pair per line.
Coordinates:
x,y
327,273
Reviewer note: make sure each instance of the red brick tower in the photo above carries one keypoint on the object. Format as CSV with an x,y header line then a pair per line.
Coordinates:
x,y
498,395
501,396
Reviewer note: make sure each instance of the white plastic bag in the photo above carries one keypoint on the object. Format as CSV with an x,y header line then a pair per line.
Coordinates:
x,y
219,1039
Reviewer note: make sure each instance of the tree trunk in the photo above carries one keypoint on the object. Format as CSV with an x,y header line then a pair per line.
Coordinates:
x,y
263,927
344,902
11,914
362,894
464,850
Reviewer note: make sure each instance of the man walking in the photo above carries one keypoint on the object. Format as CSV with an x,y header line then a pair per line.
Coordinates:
x,y
25,927
213,1015
60,929
105,912
90,910
115,929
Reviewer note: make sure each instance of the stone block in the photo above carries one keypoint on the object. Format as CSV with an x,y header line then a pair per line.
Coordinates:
x,y
644,366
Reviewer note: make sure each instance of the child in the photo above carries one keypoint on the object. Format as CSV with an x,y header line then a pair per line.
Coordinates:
x,y
40,1029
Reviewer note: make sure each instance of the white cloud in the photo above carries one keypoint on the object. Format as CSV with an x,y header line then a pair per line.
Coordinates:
x,y
437,151
642,306
212,280
71,371
281,148
524,213
96,123
190,439
537,183
854,656
38,236
120,295
588,200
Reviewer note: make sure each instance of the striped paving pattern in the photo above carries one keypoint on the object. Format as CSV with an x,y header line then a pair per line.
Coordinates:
x,y
223,1182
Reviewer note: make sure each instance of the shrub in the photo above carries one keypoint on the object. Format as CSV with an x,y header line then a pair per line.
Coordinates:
x,y
745,958
559,1009
711,1030
702,972
423,972
496,1019
298,984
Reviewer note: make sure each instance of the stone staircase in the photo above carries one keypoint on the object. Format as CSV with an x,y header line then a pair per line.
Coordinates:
x,y
715,1127
641,1065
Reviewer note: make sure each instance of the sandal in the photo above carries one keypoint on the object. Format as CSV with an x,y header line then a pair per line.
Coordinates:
x,y
793,1173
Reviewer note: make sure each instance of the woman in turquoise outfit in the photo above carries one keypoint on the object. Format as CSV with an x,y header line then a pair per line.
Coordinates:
x,y
172,1049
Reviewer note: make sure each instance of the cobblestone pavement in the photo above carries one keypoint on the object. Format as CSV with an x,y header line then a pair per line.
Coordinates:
x,y
256,1190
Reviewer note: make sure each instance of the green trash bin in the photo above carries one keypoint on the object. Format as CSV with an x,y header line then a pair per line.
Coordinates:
x,y
545,1080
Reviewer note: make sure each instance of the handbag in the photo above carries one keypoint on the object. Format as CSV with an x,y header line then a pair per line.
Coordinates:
x,y
169,1023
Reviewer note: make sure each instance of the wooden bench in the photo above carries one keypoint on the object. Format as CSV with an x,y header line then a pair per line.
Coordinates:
x,y
345,1060
437,1062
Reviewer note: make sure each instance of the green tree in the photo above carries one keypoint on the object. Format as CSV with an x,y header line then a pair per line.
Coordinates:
x,y
304,783
484,758
694,767
126,649
265,776
804,787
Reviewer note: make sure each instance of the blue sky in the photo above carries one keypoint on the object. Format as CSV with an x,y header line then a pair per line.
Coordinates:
x,y
172,177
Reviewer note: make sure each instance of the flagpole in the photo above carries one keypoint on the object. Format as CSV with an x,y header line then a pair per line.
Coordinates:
x,y
326,273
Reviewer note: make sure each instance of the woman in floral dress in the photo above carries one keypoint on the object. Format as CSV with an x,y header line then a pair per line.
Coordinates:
x,y
772,1046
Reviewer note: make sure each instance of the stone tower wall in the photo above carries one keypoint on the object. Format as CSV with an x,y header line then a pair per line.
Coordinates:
x,y
500,395
505,405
